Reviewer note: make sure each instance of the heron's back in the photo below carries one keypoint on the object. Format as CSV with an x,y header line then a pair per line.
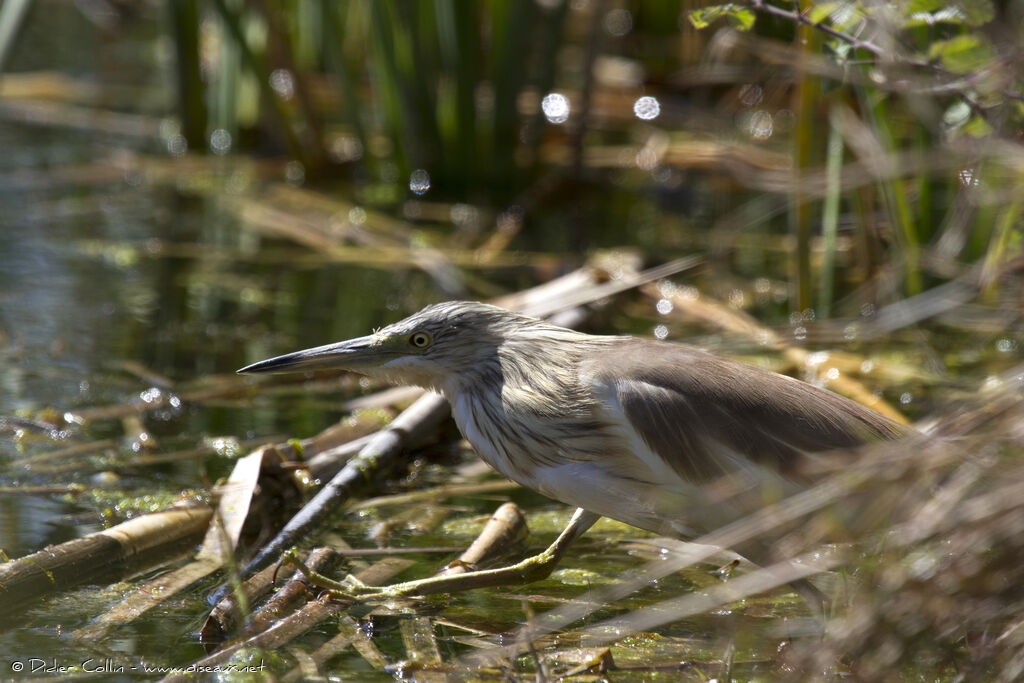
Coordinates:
x,y
661,436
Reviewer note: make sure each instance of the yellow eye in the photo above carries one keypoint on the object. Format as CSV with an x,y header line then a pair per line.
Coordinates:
x,y
420,340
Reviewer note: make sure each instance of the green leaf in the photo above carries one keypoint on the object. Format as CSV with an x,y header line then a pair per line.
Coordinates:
x,y
923,6
978,12
847,15
978,127
962,54
822,11
739,17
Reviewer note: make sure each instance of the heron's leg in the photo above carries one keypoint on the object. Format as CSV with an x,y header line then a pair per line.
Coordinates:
x,y
525,571
291,556
817,601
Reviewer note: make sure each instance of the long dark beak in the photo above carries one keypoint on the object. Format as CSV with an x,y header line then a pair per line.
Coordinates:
x,y
354,353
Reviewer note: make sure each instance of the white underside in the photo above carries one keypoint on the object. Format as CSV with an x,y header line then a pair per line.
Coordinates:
x,y
652,496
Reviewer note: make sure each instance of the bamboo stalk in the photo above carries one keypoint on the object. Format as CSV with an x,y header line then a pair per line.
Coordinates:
x,y
103,556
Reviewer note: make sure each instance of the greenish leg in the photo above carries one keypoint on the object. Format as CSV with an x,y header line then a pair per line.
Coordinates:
x,y
291,556
525,571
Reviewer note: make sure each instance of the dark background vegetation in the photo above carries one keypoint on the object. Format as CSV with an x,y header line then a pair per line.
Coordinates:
x,y
189,186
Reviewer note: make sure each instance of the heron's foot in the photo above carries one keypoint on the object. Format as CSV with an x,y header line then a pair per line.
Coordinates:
x,y
528,570
349,587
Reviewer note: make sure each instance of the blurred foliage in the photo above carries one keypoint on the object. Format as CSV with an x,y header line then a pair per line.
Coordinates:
x,y
392,87
448,97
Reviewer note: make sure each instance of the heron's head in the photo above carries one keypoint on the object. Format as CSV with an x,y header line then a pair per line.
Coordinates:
x,y
427,349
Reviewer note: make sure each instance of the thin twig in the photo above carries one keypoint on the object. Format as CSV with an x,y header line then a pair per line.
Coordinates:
x,y
879,51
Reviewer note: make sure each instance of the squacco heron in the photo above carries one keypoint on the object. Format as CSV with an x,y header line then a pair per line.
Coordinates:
x,y
642,431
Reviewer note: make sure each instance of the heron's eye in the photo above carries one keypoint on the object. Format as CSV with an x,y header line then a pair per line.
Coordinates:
x,y
420,340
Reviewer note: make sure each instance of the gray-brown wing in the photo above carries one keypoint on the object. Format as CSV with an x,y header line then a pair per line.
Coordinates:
x,y
687,405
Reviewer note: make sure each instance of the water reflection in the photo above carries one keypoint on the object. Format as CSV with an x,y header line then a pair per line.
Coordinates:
x,y
294,173
555,107
220,141
177,145
618,22
283,83
419,181
760,125
647,108
105,281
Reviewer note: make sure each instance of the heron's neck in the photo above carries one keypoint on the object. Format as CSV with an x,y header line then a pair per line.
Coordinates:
x,y
534,371
527,404
481,377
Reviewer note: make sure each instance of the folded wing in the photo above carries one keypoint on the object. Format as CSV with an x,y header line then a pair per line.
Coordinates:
x,y
709,416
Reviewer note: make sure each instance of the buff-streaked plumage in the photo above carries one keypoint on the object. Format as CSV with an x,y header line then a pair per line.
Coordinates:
x,y
638,430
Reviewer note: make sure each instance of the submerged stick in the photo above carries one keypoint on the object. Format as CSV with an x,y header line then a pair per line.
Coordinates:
x,y
382,452
292,594
299,621
228,613
506,527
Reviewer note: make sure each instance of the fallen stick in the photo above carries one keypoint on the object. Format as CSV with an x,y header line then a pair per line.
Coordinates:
x,y
103,556
506,527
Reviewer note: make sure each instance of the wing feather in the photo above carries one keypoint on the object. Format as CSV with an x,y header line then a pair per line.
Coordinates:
x,y
706,415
